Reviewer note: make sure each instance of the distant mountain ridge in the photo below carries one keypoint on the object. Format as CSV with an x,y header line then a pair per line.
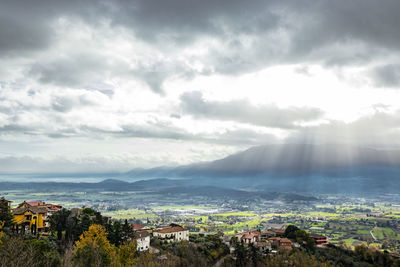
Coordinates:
x,y
289,159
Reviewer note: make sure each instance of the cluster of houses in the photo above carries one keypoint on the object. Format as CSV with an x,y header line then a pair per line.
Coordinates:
x,y
171,233
34,217
274,239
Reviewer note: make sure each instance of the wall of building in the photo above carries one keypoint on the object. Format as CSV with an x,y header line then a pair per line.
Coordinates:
x,y
143,243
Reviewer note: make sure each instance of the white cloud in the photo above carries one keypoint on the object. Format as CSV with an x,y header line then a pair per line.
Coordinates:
x,y
111,73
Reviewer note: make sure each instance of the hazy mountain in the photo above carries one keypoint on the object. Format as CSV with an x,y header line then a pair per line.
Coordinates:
x,y
291,159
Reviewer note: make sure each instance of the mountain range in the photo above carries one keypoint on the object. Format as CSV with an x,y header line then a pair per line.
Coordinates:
x,y
329,167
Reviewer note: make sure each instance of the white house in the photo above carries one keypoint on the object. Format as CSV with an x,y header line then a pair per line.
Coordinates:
x,y
173,233
142,240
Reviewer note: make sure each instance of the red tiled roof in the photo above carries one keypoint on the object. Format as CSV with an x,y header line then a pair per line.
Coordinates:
x,y
317,236
171,229
36,203
137,226
285,240
248,236
255,232
274,238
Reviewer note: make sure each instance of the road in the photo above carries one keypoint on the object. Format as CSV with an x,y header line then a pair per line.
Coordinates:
x,y
373,234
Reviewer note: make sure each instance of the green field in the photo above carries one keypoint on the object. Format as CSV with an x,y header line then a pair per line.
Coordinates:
x,y
385,233
129,214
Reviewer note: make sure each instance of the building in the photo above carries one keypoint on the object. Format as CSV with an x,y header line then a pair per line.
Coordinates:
x,y
33,216
142,240
137,227
172,233
264,247
51,208
285,243
267,234
279,232
320,240
30,218
280,243
249,237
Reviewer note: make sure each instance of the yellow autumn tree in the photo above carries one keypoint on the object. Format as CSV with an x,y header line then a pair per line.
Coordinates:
x,y
93,248
126,255
1,230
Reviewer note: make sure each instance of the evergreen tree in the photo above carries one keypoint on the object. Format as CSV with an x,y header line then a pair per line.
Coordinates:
x,y
5,213
241,255
127,231
58,222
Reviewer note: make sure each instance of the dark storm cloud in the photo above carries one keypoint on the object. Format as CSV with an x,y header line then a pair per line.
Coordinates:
x,y
30,25
249,35
243,111
182,21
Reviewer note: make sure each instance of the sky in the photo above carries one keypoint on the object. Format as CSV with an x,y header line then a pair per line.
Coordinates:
x,y
110,86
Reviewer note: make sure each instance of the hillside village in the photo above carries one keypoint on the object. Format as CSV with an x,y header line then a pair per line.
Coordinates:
x,y
168,244
34,217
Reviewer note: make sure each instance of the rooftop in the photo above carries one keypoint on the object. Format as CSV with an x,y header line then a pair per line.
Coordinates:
x,y
171,229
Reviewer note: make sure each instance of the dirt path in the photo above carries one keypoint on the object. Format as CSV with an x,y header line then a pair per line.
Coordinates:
x,y
373,234
220,261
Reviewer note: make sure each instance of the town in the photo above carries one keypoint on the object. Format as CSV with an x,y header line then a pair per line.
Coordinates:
x,y
35,218
237,234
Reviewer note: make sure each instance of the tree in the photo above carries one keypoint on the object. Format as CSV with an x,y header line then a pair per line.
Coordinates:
x,y
303,238
115,234
15,251
1,231
58,222
254,255
241,255
289,232
93,248
127,231
5,213
126,254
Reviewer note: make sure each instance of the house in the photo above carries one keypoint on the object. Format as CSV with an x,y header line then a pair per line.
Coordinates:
x,y
279,232
137,227
267,234
172,233
33,216
280,243
142,240
51,208
320,240
264,247
274,241
285,243
249,237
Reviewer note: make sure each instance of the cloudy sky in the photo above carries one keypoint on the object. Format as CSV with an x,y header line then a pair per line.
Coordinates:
x,y
93,86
